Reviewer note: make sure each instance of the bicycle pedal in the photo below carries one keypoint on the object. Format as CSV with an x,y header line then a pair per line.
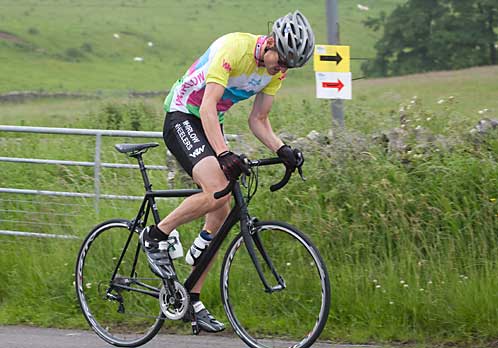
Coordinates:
x,y
195,328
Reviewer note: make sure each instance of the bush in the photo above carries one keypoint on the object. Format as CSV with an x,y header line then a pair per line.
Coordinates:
x,y
131,115
87,47
73,54
33,31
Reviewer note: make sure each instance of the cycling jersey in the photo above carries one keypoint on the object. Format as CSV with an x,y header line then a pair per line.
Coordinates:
x,y
231,62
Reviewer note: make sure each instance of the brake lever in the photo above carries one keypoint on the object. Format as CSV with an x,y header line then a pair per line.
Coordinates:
x,y
243,180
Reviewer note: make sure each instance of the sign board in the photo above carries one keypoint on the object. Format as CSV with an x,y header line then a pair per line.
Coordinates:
x,y
330,58
333,85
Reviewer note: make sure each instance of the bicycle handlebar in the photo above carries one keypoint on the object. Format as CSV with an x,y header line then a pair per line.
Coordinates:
x,y
261,163
225,191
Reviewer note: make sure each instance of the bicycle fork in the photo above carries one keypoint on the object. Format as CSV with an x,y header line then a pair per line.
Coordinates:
x,y
251,238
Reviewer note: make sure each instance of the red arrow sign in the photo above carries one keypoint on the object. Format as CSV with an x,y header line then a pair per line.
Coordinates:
x,y
337,85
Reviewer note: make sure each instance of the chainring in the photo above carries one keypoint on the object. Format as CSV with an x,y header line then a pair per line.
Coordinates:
x,y
174,306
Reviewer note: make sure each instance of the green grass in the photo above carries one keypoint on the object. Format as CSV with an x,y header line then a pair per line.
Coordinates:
x,y
409,239
69,46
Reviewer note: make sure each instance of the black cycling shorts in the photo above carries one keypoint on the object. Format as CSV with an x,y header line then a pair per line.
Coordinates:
x,y
186,140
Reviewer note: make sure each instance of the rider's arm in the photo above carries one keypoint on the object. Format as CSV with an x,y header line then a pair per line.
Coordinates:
x,y
209,117
260,123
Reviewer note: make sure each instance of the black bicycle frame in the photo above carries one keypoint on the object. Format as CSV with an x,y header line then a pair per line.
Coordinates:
x,y
239,212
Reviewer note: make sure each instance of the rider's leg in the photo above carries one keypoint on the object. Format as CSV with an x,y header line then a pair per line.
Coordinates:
x,y
214,220
209,176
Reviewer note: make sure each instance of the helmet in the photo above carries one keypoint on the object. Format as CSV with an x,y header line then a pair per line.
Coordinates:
x,y
294,39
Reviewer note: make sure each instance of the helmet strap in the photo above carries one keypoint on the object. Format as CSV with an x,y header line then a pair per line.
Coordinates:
x,y
257,50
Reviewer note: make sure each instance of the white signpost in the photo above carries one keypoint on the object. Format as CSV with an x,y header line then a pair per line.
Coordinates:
x,y
333,85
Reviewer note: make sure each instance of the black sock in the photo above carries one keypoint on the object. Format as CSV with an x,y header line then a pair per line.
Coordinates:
x,y
156,234
195,297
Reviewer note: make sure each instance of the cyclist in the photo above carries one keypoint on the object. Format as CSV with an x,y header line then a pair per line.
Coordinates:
x,y
235,67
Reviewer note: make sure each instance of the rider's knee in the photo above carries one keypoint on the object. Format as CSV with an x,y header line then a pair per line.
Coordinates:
x,y
220,202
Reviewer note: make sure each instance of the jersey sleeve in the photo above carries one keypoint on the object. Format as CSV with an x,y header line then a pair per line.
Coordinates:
x,y
223,62
274,85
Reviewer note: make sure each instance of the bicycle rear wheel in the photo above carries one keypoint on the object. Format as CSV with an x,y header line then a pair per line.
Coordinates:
x,y
122,317
298,313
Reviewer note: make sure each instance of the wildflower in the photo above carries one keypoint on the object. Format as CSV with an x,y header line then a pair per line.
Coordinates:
x,y
492,200
288,264
391,302
377,286
418,127
429,282
150,44
428,118
480,112
421,289
375,281
440,101
412,102
405,285
451,97
88,285
402,282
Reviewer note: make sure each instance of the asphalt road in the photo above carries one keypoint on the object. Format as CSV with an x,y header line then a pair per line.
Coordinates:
x,y
30,337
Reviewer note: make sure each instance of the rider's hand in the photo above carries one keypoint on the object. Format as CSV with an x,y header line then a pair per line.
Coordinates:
x,y
292,158
232,165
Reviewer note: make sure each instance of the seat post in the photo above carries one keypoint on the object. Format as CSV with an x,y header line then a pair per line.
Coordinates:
x,y
143,171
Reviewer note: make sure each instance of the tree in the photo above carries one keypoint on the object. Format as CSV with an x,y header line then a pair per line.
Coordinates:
x,y
425,35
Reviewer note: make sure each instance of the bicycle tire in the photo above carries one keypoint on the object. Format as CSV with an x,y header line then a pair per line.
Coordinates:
x,y
291,311
95,264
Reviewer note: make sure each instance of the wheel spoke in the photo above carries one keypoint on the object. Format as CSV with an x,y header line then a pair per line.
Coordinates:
x,y
298,312
127,316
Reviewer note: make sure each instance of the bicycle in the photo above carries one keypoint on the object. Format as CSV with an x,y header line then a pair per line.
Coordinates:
x,y
126,304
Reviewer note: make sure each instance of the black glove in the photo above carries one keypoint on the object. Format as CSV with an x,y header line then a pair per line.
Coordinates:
x,y
292,158
232,165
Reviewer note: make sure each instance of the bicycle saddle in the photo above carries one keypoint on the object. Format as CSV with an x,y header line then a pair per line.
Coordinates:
x,y
126,148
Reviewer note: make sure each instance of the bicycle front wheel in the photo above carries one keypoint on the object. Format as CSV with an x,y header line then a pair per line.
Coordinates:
x,y
290,317
123,310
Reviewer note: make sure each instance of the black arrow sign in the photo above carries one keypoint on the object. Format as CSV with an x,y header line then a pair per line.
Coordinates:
x,y
337,59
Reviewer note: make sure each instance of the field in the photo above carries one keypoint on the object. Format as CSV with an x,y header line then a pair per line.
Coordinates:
x,y
69,46
408,225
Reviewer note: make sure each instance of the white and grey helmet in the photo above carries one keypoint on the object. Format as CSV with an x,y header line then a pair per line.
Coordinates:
x,y
294,39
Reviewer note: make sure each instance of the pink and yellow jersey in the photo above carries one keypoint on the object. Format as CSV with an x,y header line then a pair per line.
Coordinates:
x,y
229,61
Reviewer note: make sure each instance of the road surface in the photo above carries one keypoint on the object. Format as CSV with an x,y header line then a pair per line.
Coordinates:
x,y
31,337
